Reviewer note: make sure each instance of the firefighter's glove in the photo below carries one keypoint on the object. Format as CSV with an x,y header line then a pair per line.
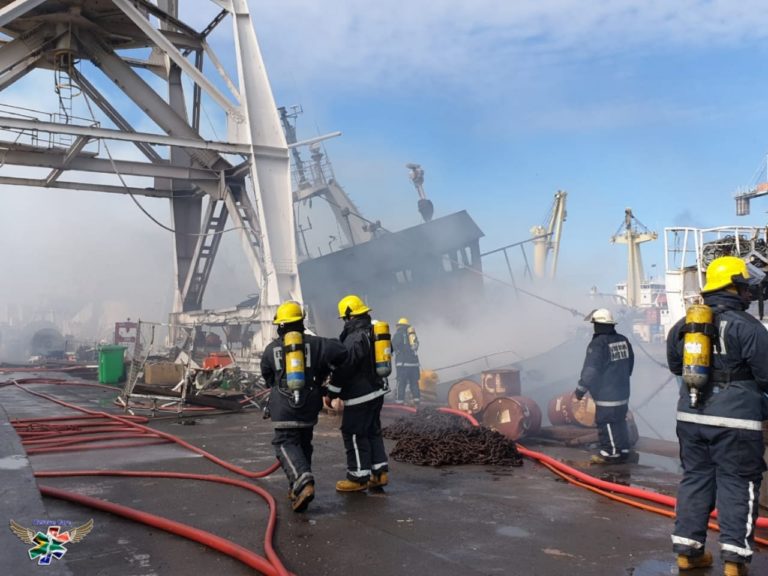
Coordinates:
x,y
580,392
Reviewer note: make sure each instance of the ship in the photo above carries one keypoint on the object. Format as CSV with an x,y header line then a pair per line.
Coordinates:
x,y
469,519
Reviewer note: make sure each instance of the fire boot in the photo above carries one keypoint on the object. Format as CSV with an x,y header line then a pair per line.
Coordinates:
x,y
304,497
690,562
378,480
735,569
351,486
601,459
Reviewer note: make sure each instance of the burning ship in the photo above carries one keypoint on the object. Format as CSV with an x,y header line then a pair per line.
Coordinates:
x,y
112,56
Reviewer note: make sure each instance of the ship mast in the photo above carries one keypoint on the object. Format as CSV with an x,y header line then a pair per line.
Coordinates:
x,y
633,235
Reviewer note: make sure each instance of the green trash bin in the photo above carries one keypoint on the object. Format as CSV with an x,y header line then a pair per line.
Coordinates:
x,y
111,364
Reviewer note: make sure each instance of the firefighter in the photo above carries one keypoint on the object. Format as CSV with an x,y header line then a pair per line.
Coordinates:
x,y
295,373
721,442
605,375
405,345
362,390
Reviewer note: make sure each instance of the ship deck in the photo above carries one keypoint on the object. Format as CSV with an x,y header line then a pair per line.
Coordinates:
x,y
454,520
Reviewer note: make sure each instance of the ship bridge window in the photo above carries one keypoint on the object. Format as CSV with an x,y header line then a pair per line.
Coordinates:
x,y
461,258
448,262
404,276
466,257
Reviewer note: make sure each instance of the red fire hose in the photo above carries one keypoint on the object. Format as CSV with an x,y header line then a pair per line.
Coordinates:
x,y
39,431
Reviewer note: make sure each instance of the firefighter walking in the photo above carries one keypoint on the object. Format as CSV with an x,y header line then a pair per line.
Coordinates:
x,y
361,384
719,419
294,366
605,375
405,345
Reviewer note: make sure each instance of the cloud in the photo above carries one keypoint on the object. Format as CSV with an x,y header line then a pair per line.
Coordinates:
x,y
395,42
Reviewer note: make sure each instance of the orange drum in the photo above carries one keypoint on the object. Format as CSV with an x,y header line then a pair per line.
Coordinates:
x,y
515,417
467,396
500,383
565,409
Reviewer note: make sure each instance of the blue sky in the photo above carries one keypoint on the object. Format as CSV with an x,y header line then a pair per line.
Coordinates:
x,y
658,106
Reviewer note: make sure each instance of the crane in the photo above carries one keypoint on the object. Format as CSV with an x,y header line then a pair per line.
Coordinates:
x,y
547,239
634,234
758,188
425,206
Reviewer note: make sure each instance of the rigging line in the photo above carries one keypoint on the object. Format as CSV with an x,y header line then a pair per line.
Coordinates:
x,y
637,413
639,344
363,218
485,357
147,214
517,289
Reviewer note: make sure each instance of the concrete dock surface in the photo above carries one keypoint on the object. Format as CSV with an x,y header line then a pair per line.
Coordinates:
x,y
452,521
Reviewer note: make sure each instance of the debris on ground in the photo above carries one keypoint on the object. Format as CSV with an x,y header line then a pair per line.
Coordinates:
x,y
432,438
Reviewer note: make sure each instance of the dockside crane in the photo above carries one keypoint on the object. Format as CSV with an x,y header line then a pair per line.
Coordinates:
x,y
757,189
546,239
634,233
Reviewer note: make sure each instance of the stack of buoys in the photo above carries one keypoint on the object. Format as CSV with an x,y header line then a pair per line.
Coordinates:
x,y
497,402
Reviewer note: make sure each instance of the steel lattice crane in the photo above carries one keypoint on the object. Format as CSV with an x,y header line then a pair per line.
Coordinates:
x,y
102,55
547,239
758,188
634,233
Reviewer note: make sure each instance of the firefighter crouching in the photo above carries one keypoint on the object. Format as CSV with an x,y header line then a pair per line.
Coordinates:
x,y
719,426
294,366
405,345
605,375
362,390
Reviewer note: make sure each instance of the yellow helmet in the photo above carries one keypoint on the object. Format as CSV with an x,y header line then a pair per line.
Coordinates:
x,y
289,311
352,305
403,322
724,271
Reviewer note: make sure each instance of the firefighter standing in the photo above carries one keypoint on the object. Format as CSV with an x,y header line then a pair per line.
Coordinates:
x,y
294,366
721,442
605,375
405,345
362,391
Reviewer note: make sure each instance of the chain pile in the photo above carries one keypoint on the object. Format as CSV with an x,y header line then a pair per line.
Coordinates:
x,y
431,438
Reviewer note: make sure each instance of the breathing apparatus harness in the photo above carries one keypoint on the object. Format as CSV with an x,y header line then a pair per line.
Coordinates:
x,y
291,361
701,338
382,352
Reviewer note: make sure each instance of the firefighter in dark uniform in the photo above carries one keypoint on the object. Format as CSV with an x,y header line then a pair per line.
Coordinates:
x,y
405,345
605,375
362,391
721,441
294,412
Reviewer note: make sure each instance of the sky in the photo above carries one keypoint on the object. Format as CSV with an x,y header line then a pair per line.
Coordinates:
x,y
653,105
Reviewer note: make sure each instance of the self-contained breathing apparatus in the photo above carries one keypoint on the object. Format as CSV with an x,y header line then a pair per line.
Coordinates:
x,y
413,340
700,333
292,360
382,350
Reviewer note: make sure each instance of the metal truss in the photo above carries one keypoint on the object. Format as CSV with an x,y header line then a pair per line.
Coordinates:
x,y
107,51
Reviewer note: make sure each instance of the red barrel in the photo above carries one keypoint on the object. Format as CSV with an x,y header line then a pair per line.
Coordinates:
x,y
565,409
515,417
467,396
559,410
500,383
